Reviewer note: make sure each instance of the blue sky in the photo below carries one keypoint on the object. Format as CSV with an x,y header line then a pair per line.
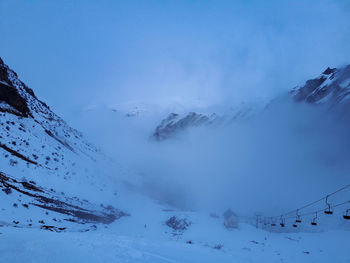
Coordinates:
x,y
76,53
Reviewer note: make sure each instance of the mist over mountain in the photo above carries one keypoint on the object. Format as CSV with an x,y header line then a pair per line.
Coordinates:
x,y
205,160
194,54
174,131
186,168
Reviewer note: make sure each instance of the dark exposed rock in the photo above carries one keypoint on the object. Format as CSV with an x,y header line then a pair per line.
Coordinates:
x,y
53,228
178,224
4,76
17,154
329,71
32,187
332,87
10,96
174,124
306,93
70,206
7,190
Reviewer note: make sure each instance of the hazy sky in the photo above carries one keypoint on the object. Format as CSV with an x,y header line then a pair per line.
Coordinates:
x,y
82,52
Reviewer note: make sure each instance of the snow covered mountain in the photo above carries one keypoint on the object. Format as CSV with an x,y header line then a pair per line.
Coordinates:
x,y
176,123
52,179
332,88
42,161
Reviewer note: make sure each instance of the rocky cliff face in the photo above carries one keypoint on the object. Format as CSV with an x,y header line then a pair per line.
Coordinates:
x,y
332,87
176,123
10,99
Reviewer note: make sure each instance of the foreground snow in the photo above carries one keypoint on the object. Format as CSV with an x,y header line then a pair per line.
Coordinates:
x,y
143,236
111,244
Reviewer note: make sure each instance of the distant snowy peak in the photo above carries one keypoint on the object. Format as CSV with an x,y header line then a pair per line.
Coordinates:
x,y
332,86
176,123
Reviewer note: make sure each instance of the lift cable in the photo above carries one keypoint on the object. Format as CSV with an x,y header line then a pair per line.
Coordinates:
x,y
296,211
318,211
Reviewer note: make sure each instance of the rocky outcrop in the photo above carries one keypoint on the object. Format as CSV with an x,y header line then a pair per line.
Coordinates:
x,y
332,87
178,224
176,123
10,99
71,209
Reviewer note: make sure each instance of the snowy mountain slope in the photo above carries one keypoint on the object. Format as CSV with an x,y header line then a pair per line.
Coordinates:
x,y
43,160
52,179
175,123
332,86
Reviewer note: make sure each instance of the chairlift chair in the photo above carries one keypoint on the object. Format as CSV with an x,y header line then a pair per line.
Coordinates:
x,y
272,222
298,219
328,211
282,224
313,222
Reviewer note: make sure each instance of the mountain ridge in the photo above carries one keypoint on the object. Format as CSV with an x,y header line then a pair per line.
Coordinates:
x,y
332,87
43,159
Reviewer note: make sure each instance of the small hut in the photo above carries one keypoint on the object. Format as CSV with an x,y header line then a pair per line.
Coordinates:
x,y
230,219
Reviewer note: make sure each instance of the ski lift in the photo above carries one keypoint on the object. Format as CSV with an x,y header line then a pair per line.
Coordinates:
x,y
298,219
328,211
265,221
269,221
347,214
273,222
282,224
313,222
